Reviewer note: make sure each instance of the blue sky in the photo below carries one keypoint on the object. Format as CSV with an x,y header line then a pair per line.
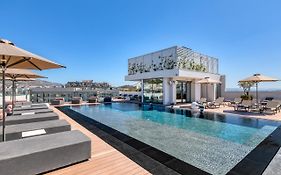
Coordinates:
x,y
95,38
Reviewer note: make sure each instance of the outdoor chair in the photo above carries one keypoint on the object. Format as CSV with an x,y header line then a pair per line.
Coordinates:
x,y
217,103
40,154
20,131
76,100
245,105
20,119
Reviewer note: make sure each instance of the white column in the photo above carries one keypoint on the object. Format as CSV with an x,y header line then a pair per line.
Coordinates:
x,y
142,91
195,91
173,91
211,92
166,91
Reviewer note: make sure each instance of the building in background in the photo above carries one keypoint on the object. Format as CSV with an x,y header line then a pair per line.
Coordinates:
x,y
171,75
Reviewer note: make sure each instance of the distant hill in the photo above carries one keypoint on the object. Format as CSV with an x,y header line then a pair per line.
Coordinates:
x,y
33,84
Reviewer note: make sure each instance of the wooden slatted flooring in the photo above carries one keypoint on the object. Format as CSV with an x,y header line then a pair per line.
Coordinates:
x,y
104,160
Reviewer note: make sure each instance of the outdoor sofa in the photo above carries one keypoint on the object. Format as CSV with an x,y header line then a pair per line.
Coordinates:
x,y
36,155
92,99
76,100
19,131
57,101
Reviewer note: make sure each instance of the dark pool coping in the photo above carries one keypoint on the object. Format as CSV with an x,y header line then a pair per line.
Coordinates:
x,y
254,163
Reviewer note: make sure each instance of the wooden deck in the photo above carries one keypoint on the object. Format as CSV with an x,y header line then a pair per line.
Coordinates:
x,y
104,160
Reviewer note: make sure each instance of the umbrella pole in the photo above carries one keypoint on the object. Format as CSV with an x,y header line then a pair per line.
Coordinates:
x,y
257,94
3,103
13,95
207,94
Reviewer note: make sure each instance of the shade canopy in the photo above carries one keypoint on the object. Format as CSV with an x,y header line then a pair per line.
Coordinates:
x,y
17,74
256,78
14,57
208,80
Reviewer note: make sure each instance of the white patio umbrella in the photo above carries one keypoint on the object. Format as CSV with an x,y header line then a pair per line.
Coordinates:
x,y
14,57
257,78
207,81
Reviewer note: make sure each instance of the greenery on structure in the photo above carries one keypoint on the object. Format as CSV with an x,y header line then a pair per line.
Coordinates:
x,y
166,63
246,86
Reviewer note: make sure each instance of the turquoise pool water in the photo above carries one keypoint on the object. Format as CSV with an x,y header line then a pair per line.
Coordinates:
x,y
210,145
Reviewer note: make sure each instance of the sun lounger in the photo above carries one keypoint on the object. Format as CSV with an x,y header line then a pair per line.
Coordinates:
x,y
202,101
35,111
28,107
217,103
41,154
272,106
20,103
14,132
245,105
19,119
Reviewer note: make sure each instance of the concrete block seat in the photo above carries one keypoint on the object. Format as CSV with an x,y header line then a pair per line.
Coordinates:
x,y
31,107
19,119
32,111
20,103
14,132
41,154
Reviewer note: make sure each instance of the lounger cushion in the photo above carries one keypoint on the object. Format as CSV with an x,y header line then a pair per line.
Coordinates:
x,y
35,111
40,154
19,119
14,132
30,107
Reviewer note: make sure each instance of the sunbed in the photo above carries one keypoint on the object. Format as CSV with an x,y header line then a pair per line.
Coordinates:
x,y
14,132
217,103
19,119
272,106
202,101
33,111
245,105
36,155
236,102
31,107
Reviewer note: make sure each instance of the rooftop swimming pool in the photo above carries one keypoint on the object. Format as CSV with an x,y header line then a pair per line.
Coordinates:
x,y
211,142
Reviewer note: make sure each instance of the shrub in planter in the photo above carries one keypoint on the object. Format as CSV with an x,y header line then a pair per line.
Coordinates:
x,y
246,97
